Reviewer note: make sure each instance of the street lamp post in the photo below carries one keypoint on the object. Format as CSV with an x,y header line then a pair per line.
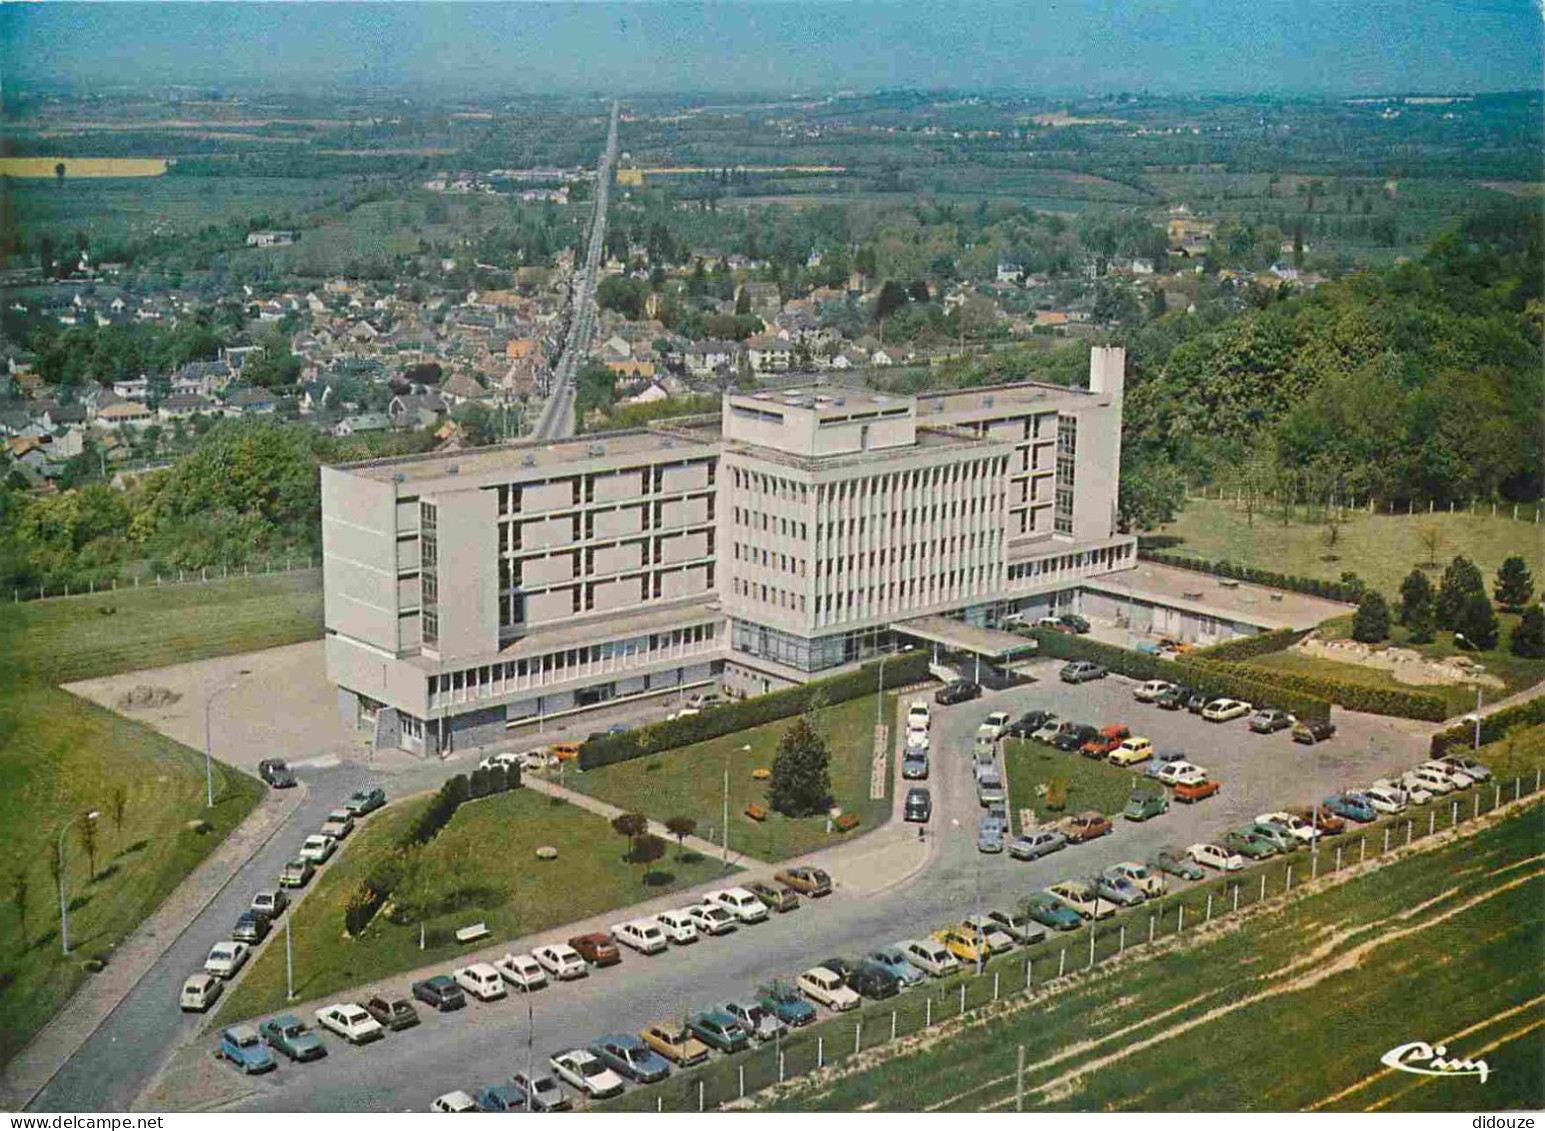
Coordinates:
x,y
879,695
64,904
209,771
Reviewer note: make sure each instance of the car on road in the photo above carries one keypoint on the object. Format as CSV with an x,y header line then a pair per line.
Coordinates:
x,y
963,944
1107,740
1273,834
1269,720
1027,724
293,1037
318,848
199,992
269,904
998,940
339,824
914,764
481,980
1163,758
763,1024
1072,736
226,959
806,881
1216,856
957,691
297,873
675,1043
739,902
1117,889
1150,691
276,773
1147,880
1386,800
395,1014
1131,751
870,980
1049,911
919,805
1191,790
929,955
1464,764
1081,671
582,1069
1143,806
719,1031
250,927
1301,830
891,960
642,935
364,801
989,835
241,1045
440,992
561,961
1086,826
1173,698
500,1098
1311,731
596,948
1248,845
784,1001
1018,927
711,919
1173,773
1082,898
522,971
1324,821
1173,863
1222,710
454,1103
631,1058
919,715
350,1021
1037,843
678,926
542,1091
1077,623
1351,806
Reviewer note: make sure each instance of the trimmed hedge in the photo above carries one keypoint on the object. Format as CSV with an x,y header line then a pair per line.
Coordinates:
x,y
1351,591
605,749
1353,696
1493,726
1248,647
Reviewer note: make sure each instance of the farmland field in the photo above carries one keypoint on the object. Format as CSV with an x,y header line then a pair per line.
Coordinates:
x,y
83,166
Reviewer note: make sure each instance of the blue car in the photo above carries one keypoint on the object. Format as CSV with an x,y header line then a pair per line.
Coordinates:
x,y
1352,806
890,959
785,1003
630,1058
1162,759
500,1097
243,1047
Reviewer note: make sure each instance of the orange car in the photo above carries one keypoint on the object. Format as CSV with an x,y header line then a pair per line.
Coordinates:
x,y
1189,791
1108,739
566,751
1083,826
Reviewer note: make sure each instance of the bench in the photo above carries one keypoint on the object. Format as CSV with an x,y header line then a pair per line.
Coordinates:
x,y
472,933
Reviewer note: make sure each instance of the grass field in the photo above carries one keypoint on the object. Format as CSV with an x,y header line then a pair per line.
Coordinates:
x,y
690,782
1090,784
61,756
1381,549
484,863
91,167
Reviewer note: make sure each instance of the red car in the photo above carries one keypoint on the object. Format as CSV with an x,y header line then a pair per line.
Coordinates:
x,y
596,949
1083,826
1329,824
1109,738
1196,790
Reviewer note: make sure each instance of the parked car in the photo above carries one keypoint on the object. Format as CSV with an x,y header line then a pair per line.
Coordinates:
x,y
199,992
1301,830
500,1098
1386,800
1460,779
1163,758
1081,671
440,992
1146,806
631,1058
241,1045
678,926
1215,856
1150,691
226,959
318,848
1222,710
806,881
542,1091
1414,794
582,1069
1051,912
675,1043
1107,740
1085,826
919,715
873,981
1311,731
1249,846
455,1103
930,956
395,1014
1077,623
919,805
1018,927
998,940
522,971
1028,723
276,773
293,1037
1173,698
957,691
785,1003
481,980
1131,751
364,801
642,935
561,961
1269,720
1147,880
995,724
1283,841
1034,845
1117,889
1173,773
1439,785
1352,806
1072,736
989,835
1191,791
297,873
914,765
1463,763
339,824
763,1024
1053,624
597,949
719,1031
839,966
711,919
250,927
989,787
890,959
1173,863
1048,729
1082,898
350,1021
739,902
1323,820
963,944
269,904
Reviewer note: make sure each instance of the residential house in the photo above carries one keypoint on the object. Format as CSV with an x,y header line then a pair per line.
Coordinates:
x,y
416,410
770,354
132,388
459,388
315,396
362,422
59,415
703,359
182,406
250,402
120,413
271,238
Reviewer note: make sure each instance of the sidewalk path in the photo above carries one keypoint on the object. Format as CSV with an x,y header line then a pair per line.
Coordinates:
x,y
37,1064
1512,700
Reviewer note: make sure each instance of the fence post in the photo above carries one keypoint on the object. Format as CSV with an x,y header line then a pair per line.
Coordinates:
x,y
1062,961
1121,943
820,1051
1536,779
1288,885
1019,1081
699,1096
995,974
858,1036
659,1104
1027,975
1362,849
1338,858
1151,925
1263,888
928,1013
1208,917
1432,819
1386,831
893,1024
1496,796
1473,816
1091,946
1236,897
780,1066
1409,825
742,1081
1314,864
962,998
1180,917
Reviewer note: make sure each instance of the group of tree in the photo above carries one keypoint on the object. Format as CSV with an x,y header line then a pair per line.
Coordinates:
x,y
1459,604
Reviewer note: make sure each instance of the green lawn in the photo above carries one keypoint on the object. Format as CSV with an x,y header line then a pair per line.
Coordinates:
x,y
1381,549
482,867
690,782
1090,784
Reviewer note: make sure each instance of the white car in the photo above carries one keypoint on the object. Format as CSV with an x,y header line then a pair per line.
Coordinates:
x,y
455,1102
678,926
997,722
1414,794
585,1071
317,848
1173,773
561,960
930,956
507,759
1434,783
480,980
740,903
919,715
711,919
339,824
997,939
350,1021
1222,710
822,985
1215,856
226,958
521,971
1047,730
917,740
1385,800
1144,878
1468,766
1082,898
199,992
1460,779
1300,828
1148,692
643,935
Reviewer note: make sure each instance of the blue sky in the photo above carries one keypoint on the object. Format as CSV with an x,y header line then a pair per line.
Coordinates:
x,y
788,46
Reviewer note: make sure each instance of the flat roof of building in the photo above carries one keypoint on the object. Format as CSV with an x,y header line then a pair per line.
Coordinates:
x,y
1036,396
1218,596
825,401
963,637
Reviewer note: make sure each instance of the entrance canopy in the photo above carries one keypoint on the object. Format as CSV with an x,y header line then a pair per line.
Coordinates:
x,y
958,636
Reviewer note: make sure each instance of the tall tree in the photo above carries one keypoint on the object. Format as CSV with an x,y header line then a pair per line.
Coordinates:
x,y
893,297
1528,637
1461,582
632,826
116,806
88,844
59,173
1477,622
1370,624
1515,584
801,781
1415,594
646,850
681,828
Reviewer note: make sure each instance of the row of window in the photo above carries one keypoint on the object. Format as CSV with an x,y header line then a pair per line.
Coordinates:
x,y
512,606
1107,557
1067,461
807,653
582,562
760,520
651,480
769,595
770,559
582,526
911,516
905,593
773,486
429,577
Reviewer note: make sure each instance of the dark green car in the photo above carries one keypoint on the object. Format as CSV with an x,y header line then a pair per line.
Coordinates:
x,y
1145,805
293,1037
1250,847
1051,912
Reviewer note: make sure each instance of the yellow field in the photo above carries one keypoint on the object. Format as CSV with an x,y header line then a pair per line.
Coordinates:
x,y
79,167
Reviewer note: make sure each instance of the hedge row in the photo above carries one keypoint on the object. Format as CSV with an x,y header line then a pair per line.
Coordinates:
x,y
1493,726
1248,647
605,749
1349,590
1353,696
1213,679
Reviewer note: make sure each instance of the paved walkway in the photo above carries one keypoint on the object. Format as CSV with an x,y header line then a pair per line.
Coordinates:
x,y
1512,700
62,1038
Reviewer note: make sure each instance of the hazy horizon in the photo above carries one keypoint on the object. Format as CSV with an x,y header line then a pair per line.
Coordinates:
x,y
1060,47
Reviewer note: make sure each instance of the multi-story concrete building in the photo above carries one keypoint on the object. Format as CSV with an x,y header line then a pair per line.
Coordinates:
x,y
474,594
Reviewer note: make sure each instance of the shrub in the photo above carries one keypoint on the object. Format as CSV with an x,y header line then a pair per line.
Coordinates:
x,y
1248,647
1493,726
1515,584
1477,623
1346,693
1528,638
1461,581
1370,624
1415,595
